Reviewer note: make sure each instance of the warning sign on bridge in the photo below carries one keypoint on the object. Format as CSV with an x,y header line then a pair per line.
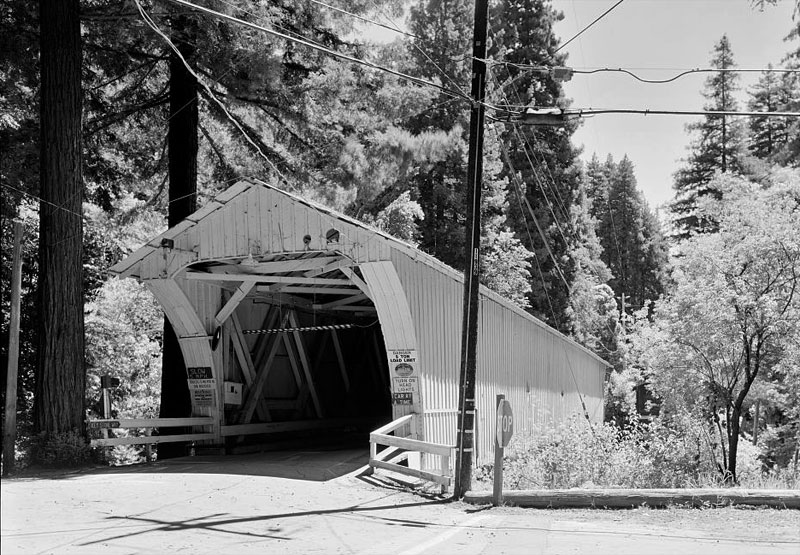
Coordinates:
x,y
202,386
405,380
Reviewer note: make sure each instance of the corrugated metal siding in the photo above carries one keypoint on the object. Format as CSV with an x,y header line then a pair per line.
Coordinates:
x,y
517,356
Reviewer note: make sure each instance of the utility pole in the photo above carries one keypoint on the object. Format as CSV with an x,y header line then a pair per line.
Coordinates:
x,y
469,333
10,435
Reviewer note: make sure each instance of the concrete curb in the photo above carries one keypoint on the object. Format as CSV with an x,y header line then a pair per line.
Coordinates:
x,y
627,498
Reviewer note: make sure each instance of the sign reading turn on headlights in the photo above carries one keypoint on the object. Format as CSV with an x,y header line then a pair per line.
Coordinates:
x,y
202,386
405,377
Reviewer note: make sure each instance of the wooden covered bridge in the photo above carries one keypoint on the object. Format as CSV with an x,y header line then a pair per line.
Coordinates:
x,y
292,317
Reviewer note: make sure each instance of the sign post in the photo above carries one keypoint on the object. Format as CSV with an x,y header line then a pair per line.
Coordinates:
x,y
505,429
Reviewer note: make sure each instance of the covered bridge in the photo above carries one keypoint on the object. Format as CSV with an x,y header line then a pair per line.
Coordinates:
x,y
291,316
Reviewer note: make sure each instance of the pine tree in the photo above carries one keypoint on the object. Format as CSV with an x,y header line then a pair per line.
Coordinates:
x,y
769,134
521,32
633,246
788,154
718,147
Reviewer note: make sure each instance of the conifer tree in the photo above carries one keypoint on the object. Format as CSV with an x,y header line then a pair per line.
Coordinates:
x,y
718,145
768,135
633,246
521,32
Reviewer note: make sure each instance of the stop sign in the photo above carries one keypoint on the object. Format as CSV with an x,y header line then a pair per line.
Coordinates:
x,y
505,423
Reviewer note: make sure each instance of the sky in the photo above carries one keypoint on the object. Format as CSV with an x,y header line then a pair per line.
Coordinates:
x,y
654,38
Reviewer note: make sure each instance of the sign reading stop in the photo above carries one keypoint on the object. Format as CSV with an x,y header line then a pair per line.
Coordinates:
x,y
505,423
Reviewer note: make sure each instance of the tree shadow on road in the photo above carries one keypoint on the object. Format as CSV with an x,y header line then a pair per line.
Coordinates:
x,y
224,523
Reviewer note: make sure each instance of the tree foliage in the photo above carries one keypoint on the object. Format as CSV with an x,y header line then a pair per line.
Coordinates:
x,y
718,145
732,319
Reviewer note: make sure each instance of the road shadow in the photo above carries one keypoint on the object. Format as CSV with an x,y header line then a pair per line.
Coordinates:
x,y
312,464
138,525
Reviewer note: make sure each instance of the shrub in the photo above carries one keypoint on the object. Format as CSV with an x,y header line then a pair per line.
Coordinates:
x,y
63,449
661,454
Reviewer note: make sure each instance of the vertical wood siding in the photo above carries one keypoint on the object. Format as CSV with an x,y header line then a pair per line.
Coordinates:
x,y
542,374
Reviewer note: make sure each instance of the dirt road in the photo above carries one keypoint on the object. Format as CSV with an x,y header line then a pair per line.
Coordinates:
x,y
314,502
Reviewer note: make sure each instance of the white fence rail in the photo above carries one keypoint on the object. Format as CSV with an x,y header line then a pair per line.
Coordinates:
x,y
148,424
397,448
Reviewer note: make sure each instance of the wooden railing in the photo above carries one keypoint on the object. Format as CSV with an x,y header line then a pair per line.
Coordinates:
x,y
398,449
148,424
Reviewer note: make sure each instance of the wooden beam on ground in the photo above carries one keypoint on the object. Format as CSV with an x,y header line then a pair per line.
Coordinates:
x,y
360,283
237,297
257,278
254,394
342,368
627,498
304,363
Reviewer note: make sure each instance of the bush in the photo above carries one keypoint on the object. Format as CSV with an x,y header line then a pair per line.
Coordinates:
x,y
660,454
64,449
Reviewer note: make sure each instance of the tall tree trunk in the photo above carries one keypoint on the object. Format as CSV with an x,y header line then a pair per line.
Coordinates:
x,y
182,141
733,443
60,381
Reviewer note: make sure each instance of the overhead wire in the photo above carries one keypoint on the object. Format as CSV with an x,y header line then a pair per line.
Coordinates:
x,y
515,179
419,49
519,195
580,112
325,50
598,18
531,68
154,26
523,140
517,188
683,73
362,18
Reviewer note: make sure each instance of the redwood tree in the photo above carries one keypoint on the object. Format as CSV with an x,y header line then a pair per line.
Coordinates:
x,y
59,400
182,144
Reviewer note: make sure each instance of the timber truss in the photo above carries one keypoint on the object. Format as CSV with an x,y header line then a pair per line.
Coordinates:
x,y
315,281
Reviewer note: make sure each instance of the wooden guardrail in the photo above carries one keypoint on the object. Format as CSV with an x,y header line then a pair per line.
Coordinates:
x,y
148,423
398,448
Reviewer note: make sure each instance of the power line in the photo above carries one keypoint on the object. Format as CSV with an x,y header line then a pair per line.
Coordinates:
x,y
684,73
523,139
362,18
559,116
322,49
580,112
629,71
420,50
152,24
601,16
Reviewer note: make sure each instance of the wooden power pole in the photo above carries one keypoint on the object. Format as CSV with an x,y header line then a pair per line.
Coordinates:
x,y
10,424
469,334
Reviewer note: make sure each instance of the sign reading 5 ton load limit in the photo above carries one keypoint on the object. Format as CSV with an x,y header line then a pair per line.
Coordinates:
x,y
405,382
